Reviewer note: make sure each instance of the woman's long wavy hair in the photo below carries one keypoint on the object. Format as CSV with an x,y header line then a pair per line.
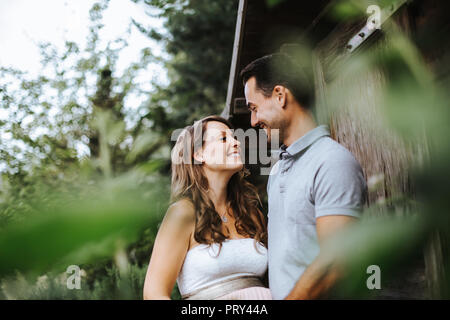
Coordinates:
x,y
189,181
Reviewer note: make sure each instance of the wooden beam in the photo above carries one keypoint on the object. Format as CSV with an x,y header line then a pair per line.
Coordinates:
x,y
234,72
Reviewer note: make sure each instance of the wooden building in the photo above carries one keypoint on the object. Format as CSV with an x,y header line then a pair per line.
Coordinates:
x,y
355,121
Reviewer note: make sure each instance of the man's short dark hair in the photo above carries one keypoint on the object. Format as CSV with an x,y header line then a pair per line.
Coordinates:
x,y
280,69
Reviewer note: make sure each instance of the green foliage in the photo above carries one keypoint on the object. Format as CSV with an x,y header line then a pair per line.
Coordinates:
x,y
111,286
53,117
355,9
59,207
84,177
415,105
199,40
93,224
101,210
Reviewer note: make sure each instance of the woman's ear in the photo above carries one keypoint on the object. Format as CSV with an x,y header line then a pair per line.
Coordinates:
x,y
280,93
198,156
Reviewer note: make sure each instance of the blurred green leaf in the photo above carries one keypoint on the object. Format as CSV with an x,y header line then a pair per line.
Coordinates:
x,y
143,143
384,242
347,9
93,226
273,3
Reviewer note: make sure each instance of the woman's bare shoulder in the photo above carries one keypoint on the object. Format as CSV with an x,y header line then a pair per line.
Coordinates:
x,y
182,211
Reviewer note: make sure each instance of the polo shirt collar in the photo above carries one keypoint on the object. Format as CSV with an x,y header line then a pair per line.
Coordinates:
x,y
305,141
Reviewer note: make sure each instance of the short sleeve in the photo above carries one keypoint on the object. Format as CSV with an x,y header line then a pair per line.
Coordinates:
x,y
339,186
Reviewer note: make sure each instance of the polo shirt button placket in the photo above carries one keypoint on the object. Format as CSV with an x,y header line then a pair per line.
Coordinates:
x,y
284,169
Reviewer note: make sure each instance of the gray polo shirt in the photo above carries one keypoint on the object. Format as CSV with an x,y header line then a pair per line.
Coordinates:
x,y
314,177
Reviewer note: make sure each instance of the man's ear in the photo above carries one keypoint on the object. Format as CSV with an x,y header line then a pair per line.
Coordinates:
x,y
280,95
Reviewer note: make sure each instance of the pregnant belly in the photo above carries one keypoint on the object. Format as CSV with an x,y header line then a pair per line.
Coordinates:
x,y
252,293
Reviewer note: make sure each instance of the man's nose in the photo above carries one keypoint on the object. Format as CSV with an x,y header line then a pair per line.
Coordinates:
x,y
253,119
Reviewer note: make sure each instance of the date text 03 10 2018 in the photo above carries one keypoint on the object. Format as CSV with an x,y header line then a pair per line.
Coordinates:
x,y
235,309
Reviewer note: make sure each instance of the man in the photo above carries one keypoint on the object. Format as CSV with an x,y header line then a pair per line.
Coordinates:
x,y
315,189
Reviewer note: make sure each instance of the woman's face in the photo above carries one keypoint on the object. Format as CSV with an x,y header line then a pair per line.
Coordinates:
x,y
221,151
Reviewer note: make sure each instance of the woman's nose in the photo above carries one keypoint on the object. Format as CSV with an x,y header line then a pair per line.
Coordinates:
x,y
236,142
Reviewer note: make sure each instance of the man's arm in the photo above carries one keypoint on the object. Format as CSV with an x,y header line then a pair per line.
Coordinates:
x,y
338,194
321,274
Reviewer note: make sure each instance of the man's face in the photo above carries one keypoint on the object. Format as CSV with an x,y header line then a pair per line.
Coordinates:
x,y
266,112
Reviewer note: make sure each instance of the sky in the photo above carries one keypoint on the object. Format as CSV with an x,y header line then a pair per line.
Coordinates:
x,y
23,23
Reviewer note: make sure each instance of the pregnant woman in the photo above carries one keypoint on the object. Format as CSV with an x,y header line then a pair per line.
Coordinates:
x,y
212,240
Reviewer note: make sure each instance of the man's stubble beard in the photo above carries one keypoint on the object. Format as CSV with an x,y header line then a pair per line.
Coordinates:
x,y
280,125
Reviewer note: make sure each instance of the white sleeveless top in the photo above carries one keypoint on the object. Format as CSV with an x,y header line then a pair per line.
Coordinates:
x,y
238,257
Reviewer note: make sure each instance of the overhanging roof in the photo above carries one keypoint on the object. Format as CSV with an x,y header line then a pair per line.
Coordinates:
x,y
261,30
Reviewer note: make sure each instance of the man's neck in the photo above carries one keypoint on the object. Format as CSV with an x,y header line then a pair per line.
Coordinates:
x,y
302,122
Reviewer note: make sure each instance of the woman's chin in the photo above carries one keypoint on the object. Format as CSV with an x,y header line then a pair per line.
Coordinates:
x,y
229,166
234,166
239,167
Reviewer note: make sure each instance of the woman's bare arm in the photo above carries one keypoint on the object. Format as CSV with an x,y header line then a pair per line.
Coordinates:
x,y
169,250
